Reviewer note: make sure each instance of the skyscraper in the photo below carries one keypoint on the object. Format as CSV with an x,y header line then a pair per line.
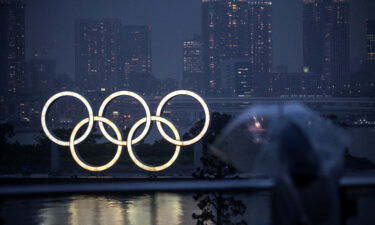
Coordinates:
x,y
97,54
12,47
244,85
260,35
326,39
192,64
135,53
41,74
237,29
229,76
370,46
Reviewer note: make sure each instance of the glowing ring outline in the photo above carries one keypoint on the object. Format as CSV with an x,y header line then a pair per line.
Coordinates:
x,y
145,106
54,98
157,118
76,155
141,164
206,112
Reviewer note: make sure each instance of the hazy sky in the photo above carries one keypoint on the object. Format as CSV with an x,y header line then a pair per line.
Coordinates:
x,y
50,28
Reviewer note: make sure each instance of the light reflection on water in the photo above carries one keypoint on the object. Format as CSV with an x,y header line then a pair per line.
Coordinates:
x,y
137,209
93,210
159,208
147,209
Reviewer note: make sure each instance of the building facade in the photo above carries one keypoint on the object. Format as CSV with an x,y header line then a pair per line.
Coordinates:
x,y
370,46
233,30
244,79
165,86
326,40
260,35
135,53
97,45
41,75
192,74
295,85
12,48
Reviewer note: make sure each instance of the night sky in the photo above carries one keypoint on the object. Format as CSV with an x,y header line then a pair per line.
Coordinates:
x,y
50,28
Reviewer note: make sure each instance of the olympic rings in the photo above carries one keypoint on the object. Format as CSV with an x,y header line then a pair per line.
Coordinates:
x,y
139,162
206,113
129,140
76,155
54,98
145,106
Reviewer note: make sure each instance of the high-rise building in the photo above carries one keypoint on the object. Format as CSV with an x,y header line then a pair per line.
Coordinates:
x,y
284,85
224,33
281,69
228,76
40,75
165,86
244,79
326,40
231,30
370,46
63,82
260,35
192,76
97,44
135,52
12,47
238,29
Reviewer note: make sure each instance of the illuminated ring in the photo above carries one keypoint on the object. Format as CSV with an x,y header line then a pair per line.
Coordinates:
x,y
137,161
76,155
145,106
206,122
44,114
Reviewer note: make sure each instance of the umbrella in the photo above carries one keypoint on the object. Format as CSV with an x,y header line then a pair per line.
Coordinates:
x,y
296,147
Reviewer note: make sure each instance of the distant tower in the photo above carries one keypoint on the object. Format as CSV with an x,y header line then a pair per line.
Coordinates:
x,y
326,39
193,65
244,80
370,46
12,47
233,30
135,52
260,35
41,74
229,76
97,54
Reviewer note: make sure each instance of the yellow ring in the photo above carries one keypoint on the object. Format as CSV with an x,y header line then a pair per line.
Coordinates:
x,y
139,162
44,114
206,122
145,106
77,157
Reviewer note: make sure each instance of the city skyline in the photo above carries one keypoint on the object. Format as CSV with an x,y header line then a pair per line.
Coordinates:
x,y
168,47
118,55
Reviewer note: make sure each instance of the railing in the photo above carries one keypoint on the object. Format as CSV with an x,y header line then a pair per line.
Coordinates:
x,y
108,185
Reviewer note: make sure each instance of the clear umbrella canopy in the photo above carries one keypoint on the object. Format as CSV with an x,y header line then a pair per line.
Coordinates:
x,y
267,140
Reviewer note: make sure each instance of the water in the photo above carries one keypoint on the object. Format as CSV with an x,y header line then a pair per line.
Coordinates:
x,y
149,209
139,209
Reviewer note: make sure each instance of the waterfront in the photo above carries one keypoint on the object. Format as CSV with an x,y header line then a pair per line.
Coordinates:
x,y
146,209
137,209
